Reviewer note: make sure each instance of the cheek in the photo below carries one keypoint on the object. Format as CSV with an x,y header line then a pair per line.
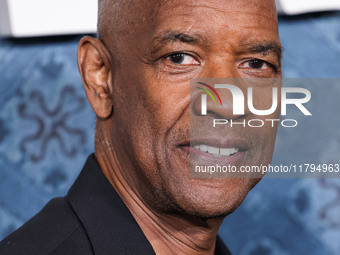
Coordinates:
x,y
265,138
264,99
210,197
145,110
134,121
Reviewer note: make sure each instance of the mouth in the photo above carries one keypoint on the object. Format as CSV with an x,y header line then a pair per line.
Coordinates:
x,y
216,150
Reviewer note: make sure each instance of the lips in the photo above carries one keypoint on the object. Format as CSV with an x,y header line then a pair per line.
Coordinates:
x,y
216,150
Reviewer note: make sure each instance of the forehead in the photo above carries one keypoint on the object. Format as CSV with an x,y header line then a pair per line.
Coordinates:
x,y
216,16
264,8
231,22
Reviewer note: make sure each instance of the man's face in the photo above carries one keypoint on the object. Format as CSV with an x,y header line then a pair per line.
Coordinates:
x,y
174,42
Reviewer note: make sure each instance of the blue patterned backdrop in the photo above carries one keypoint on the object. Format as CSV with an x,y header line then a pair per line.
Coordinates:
x,y
47,131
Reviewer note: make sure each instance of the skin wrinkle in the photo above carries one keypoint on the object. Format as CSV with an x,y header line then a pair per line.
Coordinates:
x,y
173,36
266,48
145,117
113,177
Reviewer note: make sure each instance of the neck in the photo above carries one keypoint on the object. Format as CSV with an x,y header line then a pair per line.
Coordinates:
x,y
173,233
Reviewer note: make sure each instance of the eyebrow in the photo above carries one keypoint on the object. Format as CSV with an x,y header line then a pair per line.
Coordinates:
x,y
264,48
171,36
175,36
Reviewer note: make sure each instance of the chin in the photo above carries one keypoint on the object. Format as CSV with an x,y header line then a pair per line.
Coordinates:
x,y
211,210
214,197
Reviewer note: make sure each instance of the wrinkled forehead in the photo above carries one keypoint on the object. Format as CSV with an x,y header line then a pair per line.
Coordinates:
x,y
131,15
264,8
127,26
218,17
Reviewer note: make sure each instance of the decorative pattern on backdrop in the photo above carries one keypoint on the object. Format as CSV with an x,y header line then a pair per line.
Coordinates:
x,y
46,125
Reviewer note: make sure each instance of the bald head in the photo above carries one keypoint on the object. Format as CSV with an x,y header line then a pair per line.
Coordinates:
x,y
110,15
117,19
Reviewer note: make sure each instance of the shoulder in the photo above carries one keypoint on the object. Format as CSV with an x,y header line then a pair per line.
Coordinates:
x,y
54,230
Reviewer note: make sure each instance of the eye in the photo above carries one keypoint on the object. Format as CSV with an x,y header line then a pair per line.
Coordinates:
x,y
182,59
256,64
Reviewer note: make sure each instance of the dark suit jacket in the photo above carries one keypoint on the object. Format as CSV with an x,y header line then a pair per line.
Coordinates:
x,y
90,219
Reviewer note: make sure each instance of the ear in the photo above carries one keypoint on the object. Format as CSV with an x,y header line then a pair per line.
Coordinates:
x,y
94,65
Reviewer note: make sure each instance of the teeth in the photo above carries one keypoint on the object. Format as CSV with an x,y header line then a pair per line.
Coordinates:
x,y
217,151
203,148
213,150
226,151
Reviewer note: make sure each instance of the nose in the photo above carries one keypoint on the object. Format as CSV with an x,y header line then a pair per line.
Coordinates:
x,y
223,94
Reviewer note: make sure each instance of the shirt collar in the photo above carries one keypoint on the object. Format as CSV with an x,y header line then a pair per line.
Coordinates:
x,y
108,223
